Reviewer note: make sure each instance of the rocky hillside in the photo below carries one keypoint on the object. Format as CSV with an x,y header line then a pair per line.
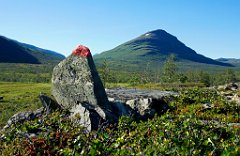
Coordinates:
x,y
154,47
12,51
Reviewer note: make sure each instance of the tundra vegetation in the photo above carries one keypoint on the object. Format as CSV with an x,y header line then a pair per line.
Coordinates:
x,y
186,129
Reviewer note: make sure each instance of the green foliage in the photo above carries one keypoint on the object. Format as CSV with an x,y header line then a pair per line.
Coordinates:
x,y
182,78
191,101
204,78
229,76
135,79
170,69
39,73
170,72
167,134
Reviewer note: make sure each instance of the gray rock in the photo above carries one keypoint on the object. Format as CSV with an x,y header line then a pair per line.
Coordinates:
x,y
140,103
22,117
221,87
75,80
208,106
231,86
18,118
87,117
128,94
48,103
229,95
236,99
122,109
77,87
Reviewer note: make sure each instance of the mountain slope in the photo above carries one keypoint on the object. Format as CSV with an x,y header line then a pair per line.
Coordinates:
x,y
12,51
154,47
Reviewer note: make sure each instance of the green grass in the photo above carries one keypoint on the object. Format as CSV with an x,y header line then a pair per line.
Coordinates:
x,y
155,86
20,97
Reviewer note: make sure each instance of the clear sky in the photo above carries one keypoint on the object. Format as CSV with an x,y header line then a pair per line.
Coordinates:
x,y
210,27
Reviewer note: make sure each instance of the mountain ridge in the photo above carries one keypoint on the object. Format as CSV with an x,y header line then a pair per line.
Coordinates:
x,y
13,51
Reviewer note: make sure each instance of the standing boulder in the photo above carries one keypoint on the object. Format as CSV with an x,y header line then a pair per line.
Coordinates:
x,y
77,87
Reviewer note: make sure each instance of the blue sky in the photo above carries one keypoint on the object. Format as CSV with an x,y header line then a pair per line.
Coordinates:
x,y
210,27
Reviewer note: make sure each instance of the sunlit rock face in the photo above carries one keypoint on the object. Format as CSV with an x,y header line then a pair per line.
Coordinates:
x,y
77,87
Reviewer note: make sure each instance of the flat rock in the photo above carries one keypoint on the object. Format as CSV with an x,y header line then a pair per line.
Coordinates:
x,y
128,94
140,103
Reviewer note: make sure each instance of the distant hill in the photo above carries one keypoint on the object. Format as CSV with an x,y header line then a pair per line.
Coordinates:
x,y
154,47
12,51
233,61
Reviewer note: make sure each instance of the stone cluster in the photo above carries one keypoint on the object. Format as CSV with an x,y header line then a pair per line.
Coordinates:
x,y
78,89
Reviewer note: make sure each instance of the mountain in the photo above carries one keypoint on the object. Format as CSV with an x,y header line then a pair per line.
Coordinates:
x,y
12,51
154,47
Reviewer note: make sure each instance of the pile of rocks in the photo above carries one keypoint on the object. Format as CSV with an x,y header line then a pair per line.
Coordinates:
x,y
231,92
77,87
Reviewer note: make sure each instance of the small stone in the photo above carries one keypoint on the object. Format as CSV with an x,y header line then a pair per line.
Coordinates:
x,y
208,105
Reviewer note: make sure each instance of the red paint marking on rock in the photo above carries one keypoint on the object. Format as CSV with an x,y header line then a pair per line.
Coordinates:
x,y
81,51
